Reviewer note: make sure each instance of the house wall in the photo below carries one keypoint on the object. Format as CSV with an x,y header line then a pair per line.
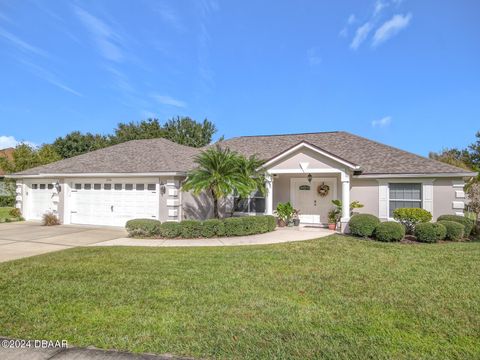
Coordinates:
x,y
304,155
201,207
448,197
366,192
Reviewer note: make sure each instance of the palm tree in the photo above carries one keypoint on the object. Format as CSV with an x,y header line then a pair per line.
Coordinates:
x,y
222,172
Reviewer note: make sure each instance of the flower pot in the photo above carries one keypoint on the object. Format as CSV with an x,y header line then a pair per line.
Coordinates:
x,y
296,222
281,223
332,226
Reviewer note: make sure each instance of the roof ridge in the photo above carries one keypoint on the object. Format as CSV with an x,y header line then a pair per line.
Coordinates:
x,y
289,134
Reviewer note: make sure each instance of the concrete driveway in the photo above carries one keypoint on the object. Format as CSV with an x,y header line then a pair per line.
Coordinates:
x,y
23,239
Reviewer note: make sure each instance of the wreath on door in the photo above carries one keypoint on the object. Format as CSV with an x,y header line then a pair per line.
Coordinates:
x,y
323,190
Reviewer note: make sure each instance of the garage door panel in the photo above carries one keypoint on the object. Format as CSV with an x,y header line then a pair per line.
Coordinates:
x,y
112,204
41,199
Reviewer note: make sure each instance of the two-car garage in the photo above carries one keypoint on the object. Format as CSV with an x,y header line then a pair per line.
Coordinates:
x,y
93,201
112,203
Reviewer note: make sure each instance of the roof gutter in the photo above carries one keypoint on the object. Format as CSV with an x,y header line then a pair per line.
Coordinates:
x,y
89,175
436,175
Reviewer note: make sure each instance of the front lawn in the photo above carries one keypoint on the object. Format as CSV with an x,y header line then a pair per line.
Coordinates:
x,y
4,213
336,297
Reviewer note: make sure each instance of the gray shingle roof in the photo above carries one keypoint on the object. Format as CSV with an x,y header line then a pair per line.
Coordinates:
x,y
161,155
136,156
371,156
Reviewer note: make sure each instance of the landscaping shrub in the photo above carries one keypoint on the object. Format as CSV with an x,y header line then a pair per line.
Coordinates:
x,y
143,227
235,226
466,222
7,200
170,229
212,227
440,231
410,217
455,230
15,213
389,231
50,219
427,232
190,229
363,224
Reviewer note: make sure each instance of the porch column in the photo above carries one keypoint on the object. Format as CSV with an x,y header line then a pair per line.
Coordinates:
x,y
345,178
269,196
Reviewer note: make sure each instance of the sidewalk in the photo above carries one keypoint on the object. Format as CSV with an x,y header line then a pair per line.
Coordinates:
x,y
75,353
280,235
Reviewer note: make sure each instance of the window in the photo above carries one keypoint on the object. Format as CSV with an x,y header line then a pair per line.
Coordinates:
x,y
34,186
151,187
128,186
50,186
97,186
253,204
78,186
87,186
405,195
118,186
107,186
140,187
42,186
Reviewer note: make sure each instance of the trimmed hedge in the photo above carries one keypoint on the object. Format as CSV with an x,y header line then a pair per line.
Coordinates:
x,y
7,200
427,232
455,230
440,230
389,231
410,217
466,222
363,224
143,227
186,229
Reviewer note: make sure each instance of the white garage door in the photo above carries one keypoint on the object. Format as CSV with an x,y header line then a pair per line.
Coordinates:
x,y
113,203
41,199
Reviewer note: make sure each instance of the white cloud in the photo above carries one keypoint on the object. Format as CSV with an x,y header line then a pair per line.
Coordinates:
x,y
313,57
383,122
360,35
108,41
20,44
168,100
10,141
7,142
48,76
170,16
379,6
390,28
351,19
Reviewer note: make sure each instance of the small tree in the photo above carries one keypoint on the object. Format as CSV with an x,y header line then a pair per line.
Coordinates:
x,y
222,172
473,194
410,217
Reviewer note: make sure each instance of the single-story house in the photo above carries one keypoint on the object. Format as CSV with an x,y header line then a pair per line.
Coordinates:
x,y
143,178
5,153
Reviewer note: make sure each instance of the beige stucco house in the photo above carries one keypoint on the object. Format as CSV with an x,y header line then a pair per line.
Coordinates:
x,y
142,179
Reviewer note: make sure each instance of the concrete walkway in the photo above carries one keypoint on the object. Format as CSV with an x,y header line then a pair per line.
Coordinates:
x,y
280,235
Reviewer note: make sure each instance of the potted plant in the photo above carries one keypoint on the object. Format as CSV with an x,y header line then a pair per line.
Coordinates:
x,y
333,219
296,217
284,213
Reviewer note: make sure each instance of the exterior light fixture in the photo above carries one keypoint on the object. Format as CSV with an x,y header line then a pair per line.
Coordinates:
x,y
163,188
309,178
58,187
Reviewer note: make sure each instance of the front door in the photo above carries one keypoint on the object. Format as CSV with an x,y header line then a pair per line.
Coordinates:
x,y
313,206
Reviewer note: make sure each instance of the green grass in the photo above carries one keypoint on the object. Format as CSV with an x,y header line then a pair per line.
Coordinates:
x,y
336,297
4,212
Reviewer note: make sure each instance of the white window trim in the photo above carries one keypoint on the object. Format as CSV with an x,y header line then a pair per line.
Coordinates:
x,y
384,195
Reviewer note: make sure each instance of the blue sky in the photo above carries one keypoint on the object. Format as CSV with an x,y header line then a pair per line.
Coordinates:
x,y
406,73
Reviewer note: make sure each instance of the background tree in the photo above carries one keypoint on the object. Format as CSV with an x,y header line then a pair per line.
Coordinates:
x,y
185,131
145,129
222,172
26,156
76,143
455,157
